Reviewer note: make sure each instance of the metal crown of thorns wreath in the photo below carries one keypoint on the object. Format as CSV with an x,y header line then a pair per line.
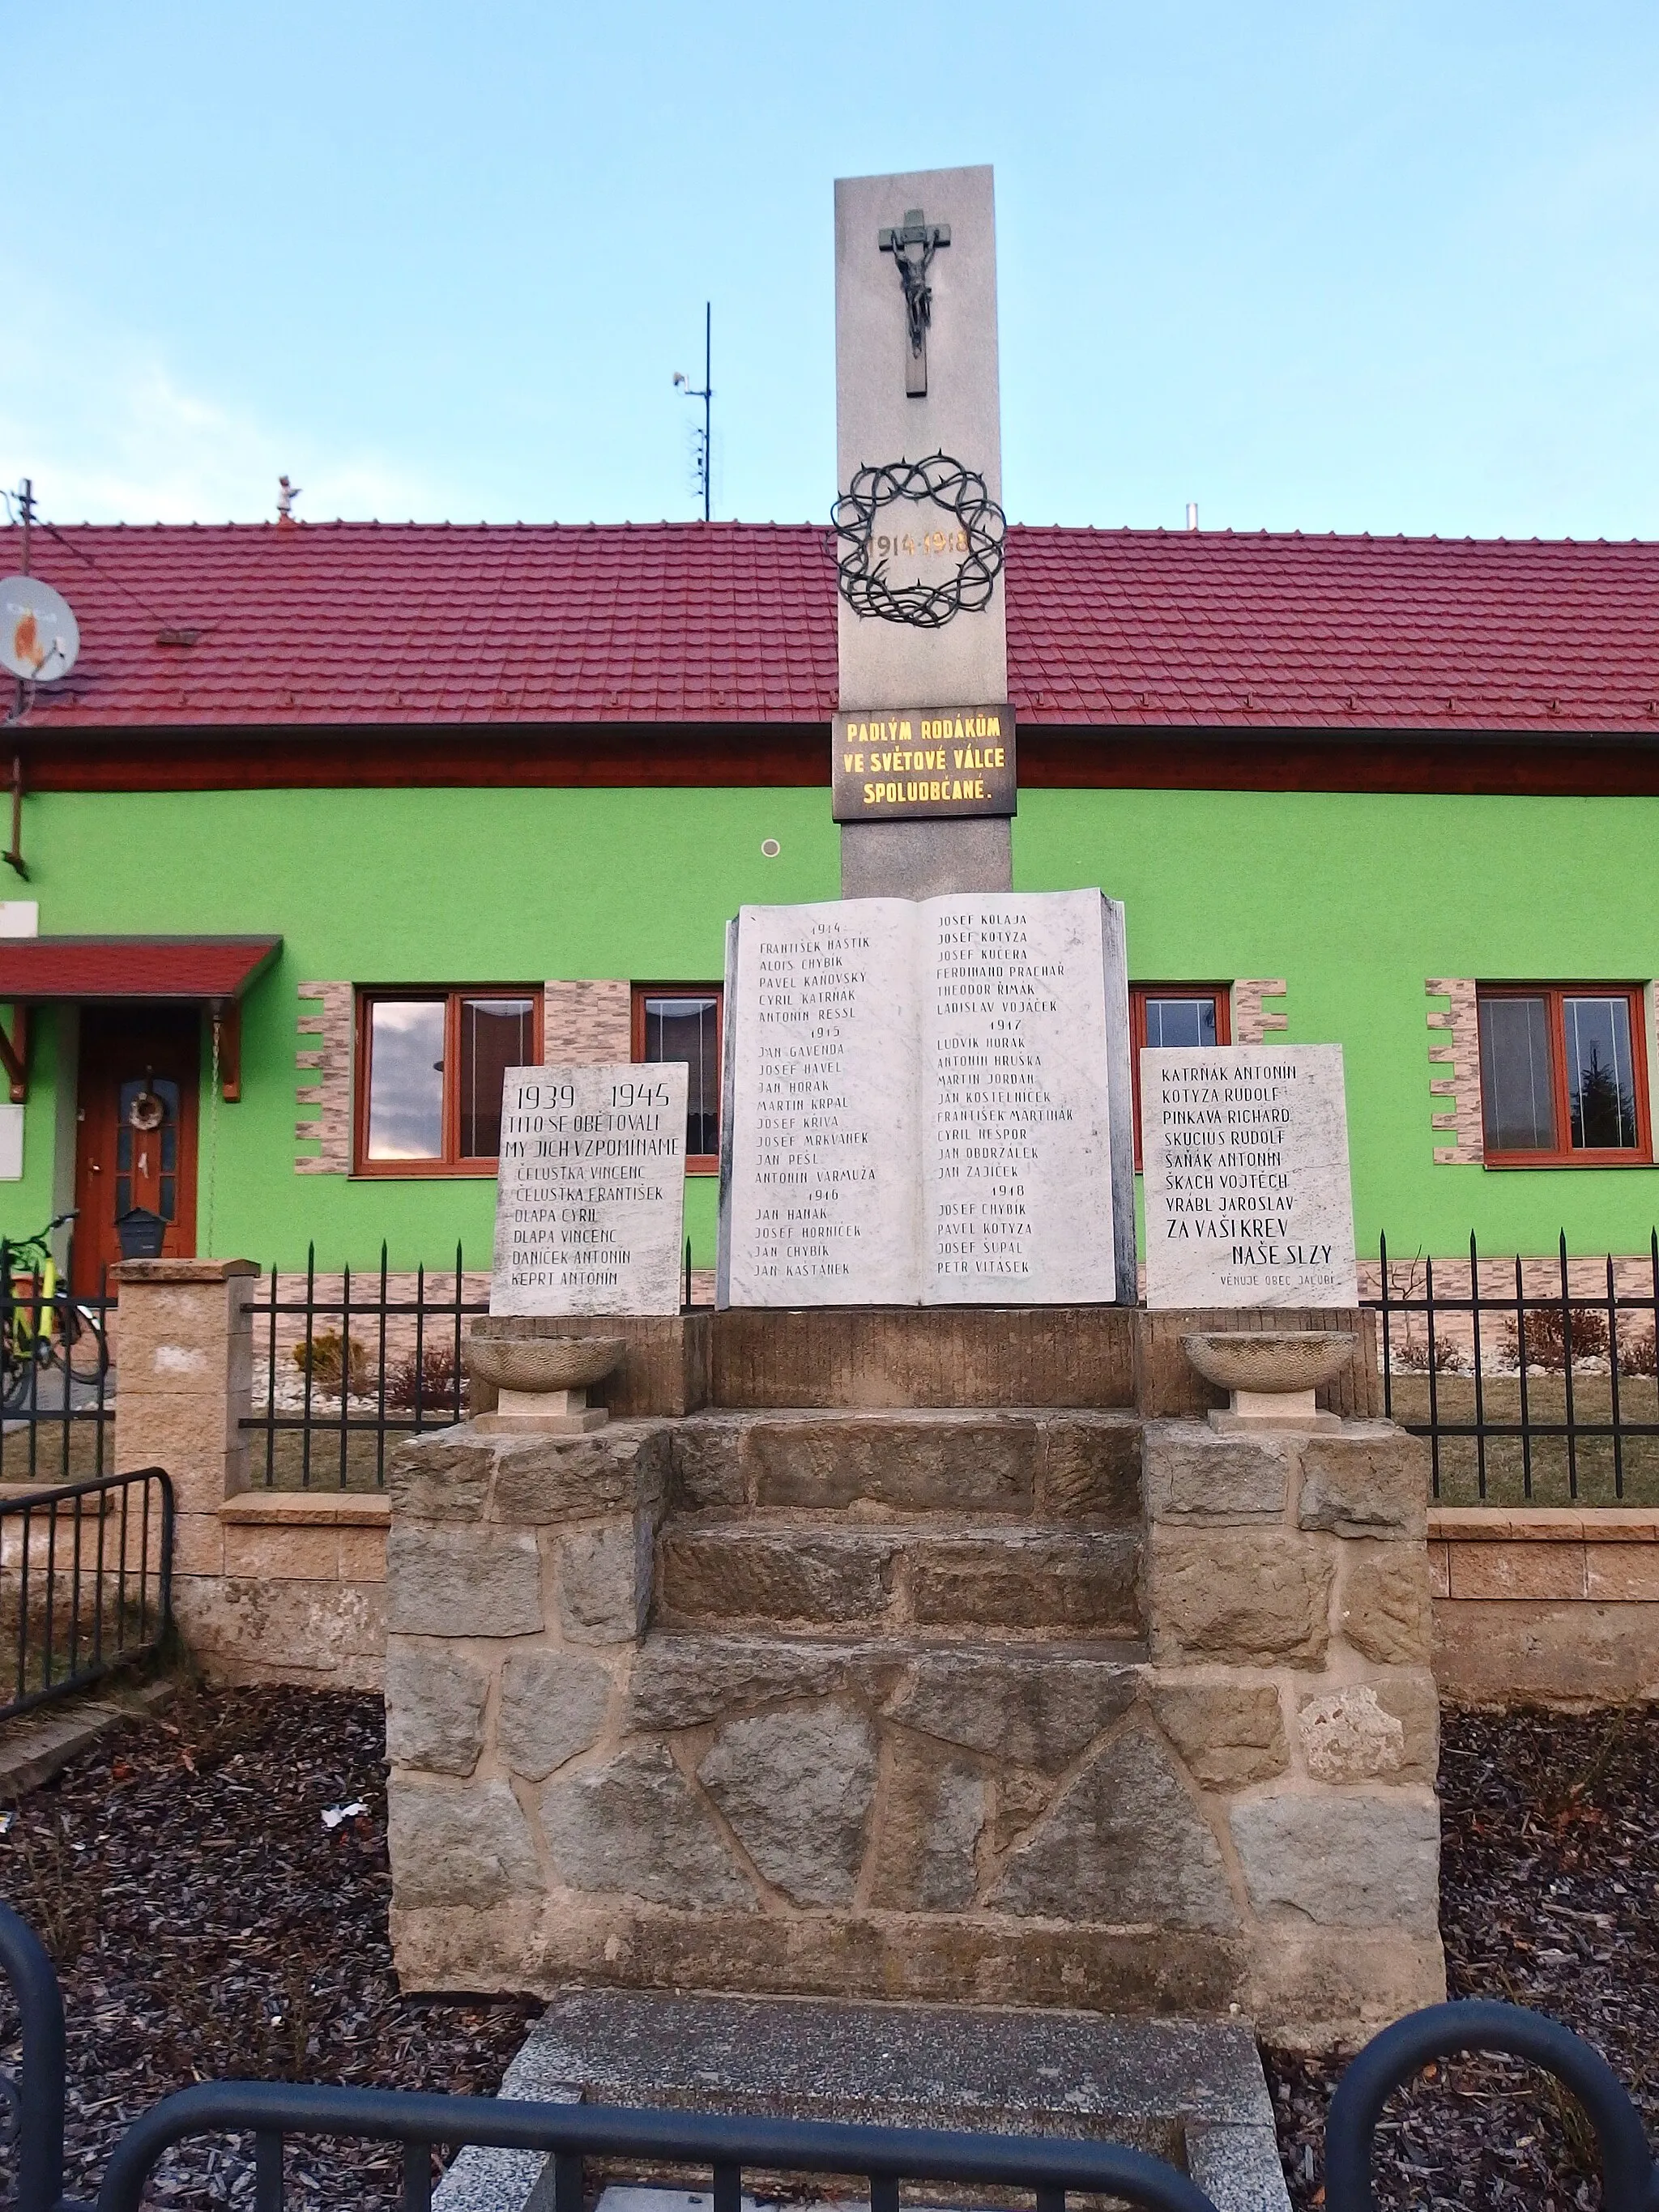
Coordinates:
x,y
943,483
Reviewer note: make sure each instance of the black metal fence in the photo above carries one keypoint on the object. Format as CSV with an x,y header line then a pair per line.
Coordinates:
x,y
343,1362
1534,1381
86,1582
339,1369
57,1379
723,2146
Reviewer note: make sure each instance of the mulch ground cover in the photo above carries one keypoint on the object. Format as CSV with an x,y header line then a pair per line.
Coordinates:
x,y
1549,1898
205,1921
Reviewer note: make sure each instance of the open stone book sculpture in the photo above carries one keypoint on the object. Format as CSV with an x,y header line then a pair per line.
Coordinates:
x,y
928,1103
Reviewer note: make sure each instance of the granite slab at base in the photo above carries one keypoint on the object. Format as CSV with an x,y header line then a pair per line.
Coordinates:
x,y
1188,2091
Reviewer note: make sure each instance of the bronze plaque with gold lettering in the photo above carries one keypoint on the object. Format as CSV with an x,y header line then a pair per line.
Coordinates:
x,y
910,762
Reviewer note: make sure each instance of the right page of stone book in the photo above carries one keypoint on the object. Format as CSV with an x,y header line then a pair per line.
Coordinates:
x,y
821,1171
1017,1178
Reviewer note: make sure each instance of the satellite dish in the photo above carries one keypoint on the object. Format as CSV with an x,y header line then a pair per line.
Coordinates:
x,y
39,637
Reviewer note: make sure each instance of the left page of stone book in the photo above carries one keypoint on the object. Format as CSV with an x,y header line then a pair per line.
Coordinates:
x,y
590,1196
820,1203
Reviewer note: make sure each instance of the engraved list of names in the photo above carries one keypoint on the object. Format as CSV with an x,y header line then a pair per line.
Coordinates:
x,y
1247,1198
1015,1142
590,1196
918,1106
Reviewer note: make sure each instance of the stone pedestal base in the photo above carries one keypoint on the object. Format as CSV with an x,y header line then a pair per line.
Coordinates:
x,y
1035,1707
1284,1413
543,1412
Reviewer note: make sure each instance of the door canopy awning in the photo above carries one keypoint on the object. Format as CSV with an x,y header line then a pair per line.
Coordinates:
x,y
36,971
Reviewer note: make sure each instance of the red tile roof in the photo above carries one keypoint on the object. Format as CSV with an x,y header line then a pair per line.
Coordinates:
x,y
337,624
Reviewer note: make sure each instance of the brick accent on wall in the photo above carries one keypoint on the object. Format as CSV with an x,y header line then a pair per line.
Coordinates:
x,y
586,1022
328,1063
1455,1087
1253,1021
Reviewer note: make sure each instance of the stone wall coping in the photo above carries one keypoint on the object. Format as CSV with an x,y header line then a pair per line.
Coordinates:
x,y
1543,1524
182,1271
308,1509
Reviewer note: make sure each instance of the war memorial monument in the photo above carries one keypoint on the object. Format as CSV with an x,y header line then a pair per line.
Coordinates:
x,y
930,1623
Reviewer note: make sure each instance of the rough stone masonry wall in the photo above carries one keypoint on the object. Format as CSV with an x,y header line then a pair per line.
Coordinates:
x,y
1238,1810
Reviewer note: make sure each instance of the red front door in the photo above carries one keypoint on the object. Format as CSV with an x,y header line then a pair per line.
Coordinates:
x,y
135,1134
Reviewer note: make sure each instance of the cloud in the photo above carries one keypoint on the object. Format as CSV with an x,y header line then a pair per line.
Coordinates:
x,y
110,433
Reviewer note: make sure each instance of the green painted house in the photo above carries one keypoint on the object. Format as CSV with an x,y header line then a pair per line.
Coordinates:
x,y
331,822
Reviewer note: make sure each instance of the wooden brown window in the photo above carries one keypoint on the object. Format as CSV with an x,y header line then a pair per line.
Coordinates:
x,y
429,1068
681,1021
1564,1075
1175,1014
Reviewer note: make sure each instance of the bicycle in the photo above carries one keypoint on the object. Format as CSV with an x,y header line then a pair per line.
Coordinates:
x,y
42,1325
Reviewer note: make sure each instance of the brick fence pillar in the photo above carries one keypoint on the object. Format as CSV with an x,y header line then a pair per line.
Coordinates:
x,y
185,1370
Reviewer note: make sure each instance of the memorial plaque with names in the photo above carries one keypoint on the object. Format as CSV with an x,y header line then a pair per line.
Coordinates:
x,y
928,1103
590,1196
922,764
1247,1197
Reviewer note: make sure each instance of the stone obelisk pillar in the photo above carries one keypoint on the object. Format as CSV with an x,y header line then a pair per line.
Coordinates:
x,y
915,377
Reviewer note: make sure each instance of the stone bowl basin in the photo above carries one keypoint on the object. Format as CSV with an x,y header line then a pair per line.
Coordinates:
x,y
543,1363
1278,1359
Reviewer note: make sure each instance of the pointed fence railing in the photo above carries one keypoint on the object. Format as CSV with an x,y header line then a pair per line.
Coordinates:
x,y
1534,1381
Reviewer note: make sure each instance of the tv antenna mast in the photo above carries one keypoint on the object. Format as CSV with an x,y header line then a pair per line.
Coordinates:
x,y
704,466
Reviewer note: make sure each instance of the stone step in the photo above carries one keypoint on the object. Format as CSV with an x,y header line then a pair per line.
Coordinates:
x,y
1071,1581
1191,2092
1027,1705
1071,1467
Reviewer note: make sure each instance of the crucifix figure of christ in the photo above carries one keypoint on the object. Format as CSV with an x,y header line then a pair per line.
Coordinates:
x,y
913,245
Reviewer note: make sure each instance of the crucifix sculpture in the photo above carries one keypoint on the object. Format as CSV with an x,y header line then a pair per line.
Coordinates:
x,y
913,245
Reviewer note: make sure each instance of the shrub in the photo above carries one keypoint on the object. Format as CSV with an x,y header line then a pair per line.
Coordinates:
x,y
436,1376
1410,1353
1636,1353
325,1356
1545,1338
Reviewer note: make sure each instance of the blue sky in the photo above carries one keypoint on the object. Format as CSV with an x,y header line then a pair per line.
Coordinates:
x,y
1314,266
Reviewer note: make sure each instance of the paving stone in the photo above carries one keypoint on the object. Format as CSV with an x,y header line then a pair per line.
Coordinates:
x,y
796,1786
1036,1708
681,1681
634,1824
1372,1481
461,1582
1085,1580
723,1575
1350,1858
1410,1693
914,1466
1347,1736
1125,1843
435,1706
934,1808
1192,1473
1227,1733
468,1846
442,1476
553,1705
706,1463
1091,1469
1244,1595
1386,1611
551,1478
605,1582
